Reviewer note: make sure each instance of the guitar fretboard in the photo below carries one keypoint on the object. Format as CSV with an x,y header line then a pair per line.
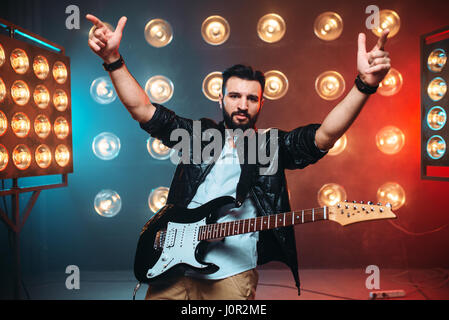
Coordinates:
x,y
232,228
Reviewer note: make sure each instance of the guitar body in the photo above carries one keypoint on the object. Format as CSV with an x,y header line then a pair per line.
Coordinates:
x,y
169,241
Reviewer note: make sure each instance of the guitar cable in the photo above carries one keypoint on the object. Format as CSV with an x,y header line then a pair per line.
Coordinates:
x,y
135,290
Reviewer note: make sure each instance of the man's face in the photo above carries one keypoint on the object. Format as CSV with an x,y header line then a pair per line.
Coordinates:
x,y
241,103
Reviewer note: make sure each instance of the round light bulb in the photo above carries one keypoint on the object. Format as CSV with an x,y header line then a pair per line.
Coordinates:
x,y
20,92
330,85
330,194
41,96
215,30
42,126
20,124
2,56
43,156
4,158
61,128
40,67
328,26
158,33
3,123
388,19
391,84
19,61
276,85
158,150
2,90
106,146
339,146
390,140
102,90
392,193
436,147
436,118
437,89
21,157
437,60
271,28
60,72
62,155
107,203
60,100
212,85
157,198
159,89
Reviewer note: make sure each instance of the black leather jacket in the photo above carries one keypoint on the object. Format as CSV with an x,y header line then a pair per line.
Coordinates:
x,y
296,150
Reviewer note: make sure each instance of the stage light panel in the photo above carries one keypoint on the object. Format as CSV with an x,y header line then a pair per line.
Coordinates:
x,y
434,105
107,203
215,30
106,146
158,198
390,140
34,92
328,26
271,28
330,85
158,33
276,85
102,90
159,89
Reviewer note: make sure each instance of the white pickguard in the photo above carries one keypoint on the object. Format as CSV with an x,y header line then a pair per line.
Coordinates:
x,y
179,247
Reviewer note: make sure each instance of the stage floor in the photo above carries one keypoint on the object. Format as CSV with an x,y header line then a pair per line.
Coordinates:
x,y
274,284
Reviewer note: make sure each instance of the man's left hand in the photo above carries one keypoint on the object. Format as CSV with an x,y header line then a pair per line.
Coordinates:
x,y
373,66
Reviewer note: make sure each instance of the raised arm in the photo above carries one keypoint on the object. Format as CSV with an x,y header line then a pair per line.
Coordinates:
x,y
105,43
372,67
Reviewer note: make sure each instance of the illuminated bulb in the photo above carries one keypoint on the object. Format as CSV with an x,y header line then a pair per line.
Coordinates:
x,y
330,85
60,72
2,56
391,84
437,89
393,193
41,96
158,150
436,118
158,33
215,30
339,146
106,146
102,90
328,26
62,155
271,28
3,123
43,156
157,198
42,126
60,100
390,140
436,147
388,19
4,158
159,89
19,61
437,60
20,93
40,67
212,84
330,194
61,128
20,124
276,85
107,203
2,90
21,157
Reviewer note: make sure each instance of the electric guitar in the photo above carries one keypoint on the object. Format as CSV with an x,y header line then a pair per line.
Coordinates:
x,y
176,236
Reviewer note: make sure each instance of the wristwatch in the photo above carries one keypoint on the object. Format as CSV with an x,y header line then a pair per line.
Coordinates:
x,y
114,65
363,87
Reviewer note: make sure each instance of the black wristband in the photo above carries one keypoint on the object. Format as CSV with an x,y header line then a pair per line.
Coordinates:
x,y
363,87
114,65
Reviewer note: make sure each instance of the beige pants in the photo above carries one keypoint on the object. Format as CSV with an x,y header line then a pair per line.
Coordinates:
x,y
241,286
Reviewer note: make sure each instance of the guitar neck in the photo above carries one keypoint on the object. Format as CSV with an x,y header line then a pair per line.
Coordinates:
x,y
232,228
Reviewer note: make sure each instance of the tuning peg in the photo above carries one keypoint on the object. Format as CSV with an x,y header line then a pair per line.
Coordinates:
x,y
346,200
379,203
354,201
361,202
370,202
388,205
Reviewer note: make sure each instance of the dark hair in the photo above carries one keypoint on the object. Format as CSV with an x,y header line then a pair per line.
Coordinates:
x,y
243,72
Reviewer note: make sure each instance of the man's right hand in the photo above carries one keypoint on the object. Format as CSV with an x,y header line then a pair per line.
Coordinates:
x,y
105,42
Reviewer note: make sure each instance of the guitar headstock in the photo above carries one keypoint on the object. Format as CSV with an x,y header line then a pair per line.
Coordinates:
x,y
352,212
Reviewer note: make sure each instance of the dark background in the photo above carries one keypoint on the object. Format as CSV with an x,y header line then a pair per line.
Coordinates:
x,y
64,229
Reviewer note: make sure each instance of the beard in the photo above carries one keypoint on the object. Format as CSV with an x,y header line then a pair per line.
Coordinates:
x,y
235,125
